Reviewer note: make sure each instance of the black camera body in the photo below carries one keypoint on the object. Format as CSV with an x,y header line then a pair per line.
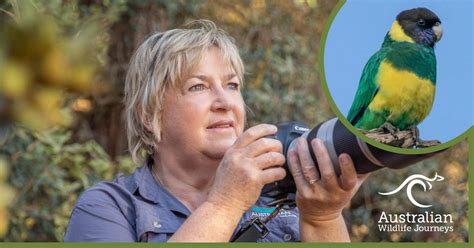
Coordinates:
x,y
338,139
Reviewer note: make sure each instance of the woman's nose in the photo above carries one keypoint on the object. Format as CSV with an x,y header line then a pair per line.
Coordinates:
x,y
222,100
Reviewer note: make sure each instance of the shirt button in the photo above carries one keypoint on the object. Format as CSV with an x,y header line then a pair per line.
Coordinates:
x,y
156,224
287,237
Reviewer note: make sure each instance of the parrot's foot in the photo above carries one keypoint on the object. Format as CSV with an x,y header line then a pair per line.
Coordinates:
x,y
406,138
419,143
416,134
387,126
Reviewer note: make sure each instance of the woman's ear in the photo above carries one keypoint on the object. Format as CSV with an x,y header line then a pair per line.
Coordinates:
x,y
145,120
151,123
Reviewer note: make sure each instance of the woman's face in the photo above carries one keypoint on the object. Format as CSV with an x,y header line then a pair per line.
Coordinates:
x,y
206,113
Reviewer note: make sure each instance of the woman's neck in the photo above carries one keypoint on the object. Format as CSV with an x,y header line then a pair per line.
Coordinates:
x,y
188,180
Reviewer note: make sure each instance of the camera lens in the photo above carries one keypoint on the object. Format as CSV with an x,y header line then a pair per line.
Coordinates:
x,y
337,139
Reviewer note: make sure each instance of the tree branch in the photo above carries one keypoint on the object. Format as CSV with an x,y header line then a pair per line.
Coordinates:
x,y
398,138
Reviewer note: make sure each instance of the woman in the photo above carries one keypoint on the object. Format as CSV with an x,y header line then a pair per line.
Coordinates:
x,y
203,174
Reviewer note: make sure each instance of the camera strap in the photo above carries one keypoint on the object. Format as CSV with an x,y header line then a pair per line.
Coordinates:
x,y
255,228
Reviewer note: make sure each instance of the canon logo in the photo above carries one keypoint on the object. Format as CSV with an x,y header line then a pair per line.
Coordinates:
x,y
304,129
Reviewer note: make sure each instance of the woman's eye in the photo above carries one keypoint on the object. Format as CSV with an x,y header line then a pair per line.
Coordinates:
x,y
197,87
233,86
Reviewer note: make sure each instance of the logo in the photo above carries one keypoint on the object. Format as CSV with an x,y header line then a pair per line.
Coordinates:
x,y
265,212
420,221
413,180
304,129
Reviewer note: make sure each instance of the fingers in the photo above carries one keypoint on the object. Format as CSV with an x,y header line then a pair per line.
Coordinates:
x,y
308,167
270,159
266,152
272,174
348,178
328,176
295,168
254,133
263,145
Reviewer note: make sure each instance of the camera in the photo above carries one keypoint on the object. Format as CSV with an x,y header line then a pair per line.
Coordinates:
x,y
338,139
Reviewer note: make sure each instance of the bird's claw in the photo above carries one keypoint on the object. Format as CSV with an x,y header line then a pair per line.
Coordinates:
x,y
416,135
419,143
387,126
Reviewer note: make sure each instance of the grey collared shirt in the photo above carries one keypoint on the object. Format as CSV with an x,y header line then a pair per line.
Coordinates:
x,y
136,208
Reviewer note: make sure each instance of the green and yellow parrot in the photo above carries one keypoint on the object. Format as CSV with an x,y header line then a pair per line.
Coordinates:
x,y
397,86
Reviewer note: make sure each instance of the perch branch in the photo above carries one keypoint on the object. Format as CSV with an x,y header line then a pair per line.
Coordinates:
x,y
399,138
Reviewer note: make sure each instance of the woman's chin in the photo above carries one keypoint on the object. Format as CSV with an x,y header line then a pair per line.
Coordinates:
x,y
216,150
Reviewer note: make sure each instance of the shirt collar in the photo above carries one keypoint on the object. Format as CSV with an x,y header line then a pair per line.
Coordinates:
x,y
152,191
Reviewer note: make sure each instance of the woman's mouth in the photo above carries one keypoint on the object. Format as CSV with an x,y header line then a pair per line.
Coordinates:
x,y
221,125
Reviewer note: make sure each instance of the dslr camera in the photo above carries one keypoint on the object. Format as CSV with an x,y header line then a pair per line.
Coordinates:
x,y
338,139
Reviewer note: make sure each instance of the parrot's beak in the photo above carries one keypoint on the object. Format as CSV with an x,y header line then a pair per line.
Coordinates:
x,y
438,30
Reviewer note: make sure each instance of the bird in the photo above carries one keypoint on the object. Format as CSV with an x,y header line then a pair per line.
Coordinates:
x,y
397,86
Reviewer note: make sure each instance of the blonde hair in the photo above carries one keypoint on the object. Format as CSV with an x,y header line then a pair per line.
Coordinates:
x,y
160,62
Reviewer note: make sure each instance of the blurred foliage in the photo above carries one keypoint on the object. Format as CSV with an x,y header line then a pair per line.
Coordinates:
x,y
42,59
49,167
49,172
6,195
50,53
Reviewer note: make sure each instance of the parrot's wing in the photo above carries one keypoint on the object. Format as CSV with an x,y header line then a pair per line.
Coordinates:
x,y
367,87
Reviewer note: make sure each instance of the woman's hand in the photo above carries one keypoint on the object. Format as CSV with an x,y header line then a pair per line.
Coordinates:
x,y
250,163
321,198
246,167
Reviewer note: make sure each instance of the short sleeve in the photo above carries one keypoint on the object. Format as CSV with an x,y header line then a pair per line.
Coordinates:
x,y
102,214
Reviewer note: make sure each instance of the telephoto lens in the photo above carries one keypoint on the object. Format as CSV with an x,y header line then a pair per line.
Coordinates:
x,y
338,139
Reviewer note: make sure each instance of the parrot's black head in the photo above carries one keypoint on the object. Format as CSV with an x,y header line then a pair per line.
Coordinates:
x,y
419,25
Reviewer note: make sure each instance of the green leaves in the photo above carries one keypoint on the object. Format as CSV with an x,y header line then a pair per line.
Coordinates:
x,y
48,173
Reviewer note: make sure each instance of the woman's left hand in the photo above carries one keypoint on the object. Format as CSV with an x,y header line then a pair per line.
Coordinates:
x,y
322,197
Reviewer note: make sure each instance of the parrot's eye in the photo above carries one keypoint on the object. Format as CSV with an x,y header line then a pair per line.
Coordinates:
x,y
421,22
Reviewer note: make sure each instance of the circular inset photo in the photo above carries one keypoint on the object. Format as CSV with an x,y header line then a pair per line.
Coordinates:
x,y
400,71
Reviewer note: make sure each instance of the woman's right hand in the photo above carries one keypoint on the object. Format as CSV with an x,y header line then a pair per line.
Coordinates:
x,y
250,163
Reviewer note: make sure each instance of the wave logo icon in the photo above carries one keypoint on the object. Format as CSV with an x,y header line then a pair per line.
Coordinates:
x,y
413,180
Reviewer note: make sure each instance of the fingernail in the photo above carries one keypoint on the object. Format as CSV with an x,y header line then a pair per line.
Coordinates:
x,y
319,143
344,159
274,128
